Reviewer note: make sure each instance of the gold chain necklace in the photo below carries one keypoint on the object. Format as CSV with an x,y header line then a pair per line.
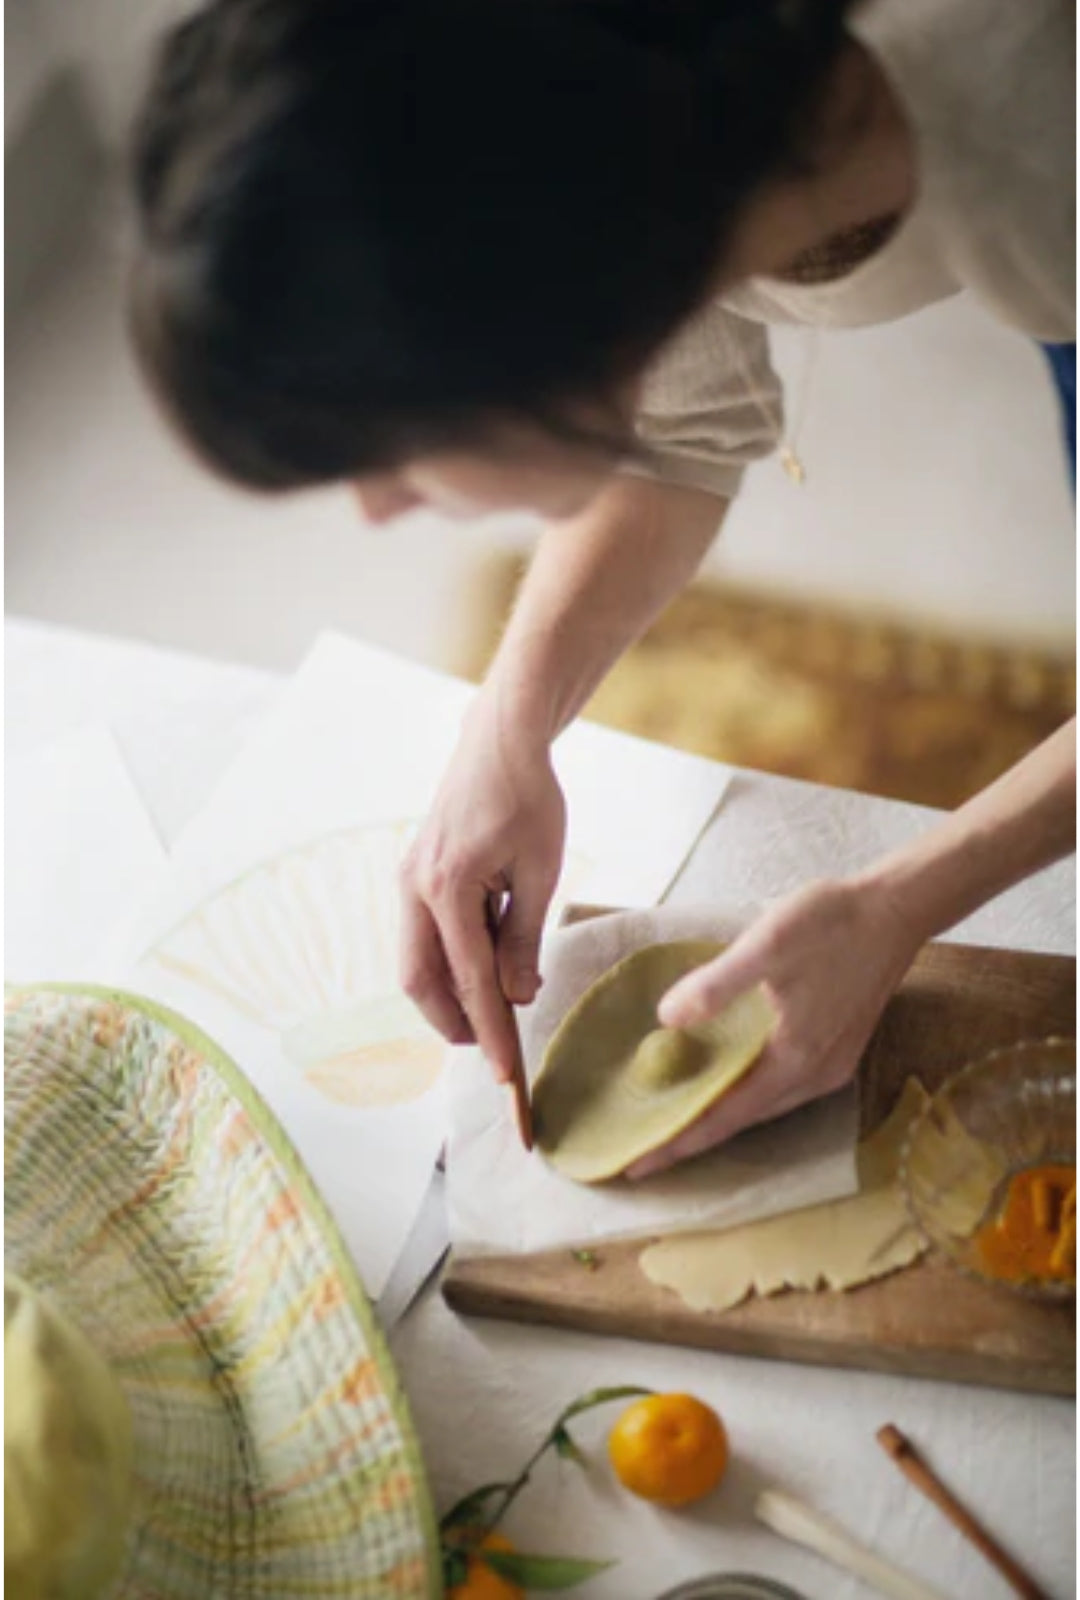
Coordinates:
x,y
774,413
834,258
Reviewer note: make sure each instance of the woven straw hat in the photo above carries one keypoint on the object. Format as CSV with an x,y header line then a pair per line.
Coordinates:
x,y
203,1404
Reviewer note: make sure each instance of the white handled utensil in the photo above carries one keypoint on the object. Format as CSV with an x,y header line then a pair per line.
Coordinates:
x,y
793,1519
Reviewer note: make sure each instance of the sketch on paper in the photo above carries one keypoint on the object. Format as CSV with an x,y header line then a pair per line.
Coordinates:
x,y
306,945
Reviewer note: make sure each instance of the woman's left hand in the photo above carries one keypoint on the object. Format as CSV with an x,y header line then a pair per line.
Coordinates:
x,y
829,957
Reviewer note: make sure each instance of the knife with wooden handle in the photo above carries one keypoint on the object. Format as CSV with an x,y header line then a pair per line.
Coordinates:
x,y
519,1083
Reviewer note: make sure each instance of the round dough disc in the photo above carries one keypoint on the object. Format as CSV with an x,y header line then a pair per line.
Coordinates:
x,y
614,1085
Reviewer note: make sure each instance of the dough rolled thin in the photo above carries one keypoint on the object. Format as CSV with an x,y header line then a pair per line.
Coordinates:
x,y
613,1085
834,1246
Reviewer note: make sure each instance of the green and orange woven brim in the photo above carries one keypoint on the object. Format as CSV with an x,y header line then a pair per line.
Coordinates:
x,y
154,1196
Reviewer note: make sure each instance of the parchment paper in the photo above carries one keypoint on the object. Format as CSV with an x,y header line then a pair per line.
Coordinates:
x,y
502,1200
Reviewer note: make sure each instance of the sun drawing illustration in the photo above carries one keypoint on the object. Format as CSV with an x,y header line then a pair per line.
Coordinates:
x,y
306,945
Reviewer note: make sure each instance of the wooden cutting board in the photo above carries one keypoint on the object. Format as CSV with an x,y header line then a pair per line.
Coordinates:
x,y
957,1002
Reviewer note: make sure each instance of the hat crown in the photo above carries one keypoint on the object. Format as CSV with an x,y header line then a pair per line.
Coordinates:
x,y
67,1455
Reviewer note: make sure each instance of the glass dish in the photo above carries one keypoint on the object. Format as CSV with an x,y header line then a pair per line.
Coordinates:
x,y
1012,1109
731,1586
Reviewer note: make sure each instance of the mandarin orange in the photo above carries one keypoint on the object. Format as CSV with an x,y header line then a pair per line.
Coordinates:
x,y
481,1582
669,1448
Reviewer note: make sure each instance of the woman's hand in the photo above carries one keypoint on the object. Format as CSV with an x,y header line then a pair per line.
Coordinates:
x,y
829,956
499,820
493,843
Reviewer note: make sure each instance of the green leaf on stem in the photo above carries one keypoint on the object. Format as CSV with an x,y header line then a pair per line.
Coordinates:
x,y
542,1572
466,1523
600,1397
566,1448
455,1567
470,1508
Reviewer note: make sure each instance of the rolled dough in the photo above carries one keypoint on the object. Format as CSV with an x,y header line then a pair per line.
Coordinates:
x,y
613,1085
834,1246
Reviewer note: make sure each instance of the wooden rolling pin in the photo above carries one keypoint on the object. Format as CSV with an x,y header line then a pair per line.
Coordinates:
x,y
915,1469
793,1519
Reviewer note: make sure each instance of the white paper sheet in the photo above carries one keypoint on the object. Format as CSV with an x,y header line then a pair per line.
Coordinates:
x,y
360,736
502,1200
79,851
276,926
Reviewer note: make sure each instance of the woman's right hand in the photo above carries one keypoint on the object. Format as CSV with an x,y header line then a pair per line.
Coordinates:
x,y
493,841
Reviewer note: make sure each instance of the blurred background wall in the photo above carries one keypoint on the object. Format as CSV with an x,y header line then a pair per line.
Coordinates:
x,y
935,490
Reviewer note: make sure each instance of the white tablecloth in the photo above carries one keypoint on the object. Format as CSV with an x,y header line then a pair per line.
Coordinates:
x,y
482,1392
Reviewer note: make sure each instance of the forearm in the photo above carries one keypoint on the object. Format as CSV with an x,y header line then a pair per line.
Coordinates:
x,y
1022,822
593,587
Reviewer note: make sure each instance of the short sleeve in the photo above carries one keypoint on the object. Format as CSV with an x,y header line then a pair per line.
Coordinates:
x,y
711,404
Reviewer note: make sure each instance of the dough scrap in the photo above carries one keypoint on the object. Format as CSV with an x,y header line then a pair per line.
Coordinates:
x,y
961,1174
836,1245
613,1085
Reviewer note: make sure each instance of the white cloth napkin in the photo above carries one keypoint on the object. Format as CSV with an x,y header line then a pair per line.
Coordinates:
x,y
502,1200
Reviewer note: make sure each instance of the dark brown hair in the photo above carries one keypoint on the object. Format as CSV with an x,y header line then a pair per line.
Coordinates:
x,y
367,228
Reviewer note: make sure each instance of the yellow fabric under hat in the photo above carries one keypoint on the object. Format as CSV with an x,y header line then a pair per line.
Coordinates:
x,y
67,1456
